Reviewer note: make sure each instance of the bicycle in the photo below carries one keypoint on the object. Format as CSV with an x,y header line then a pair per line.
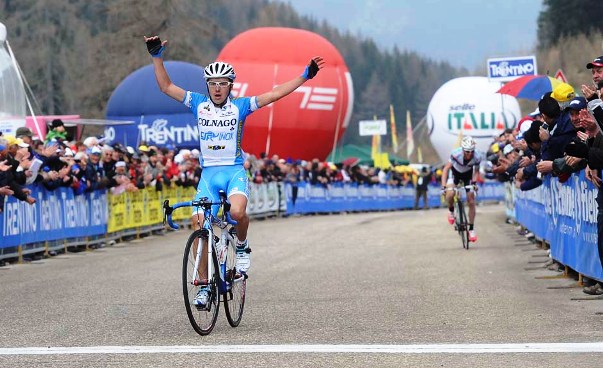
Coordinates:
x,y
461,222
223,280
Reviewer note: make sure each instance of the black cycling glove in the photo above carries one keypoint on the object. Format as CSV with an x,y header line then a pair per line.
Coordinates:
x,y
311,70
154,47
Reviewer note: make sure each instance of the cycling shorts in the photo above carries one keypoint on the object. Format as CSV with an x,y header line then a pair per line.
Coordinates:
x,y
230,179
456,177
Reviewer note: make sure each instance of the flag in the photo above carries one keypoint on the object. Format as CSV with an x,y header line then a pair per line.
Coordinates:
x,y
381,161
393,129
410,144
459,139
376,144
419,155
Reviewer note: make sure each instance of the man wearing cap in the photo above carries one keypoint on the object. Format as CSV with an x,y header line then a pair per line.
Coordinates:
x,y
95,175
120,181
18,155
25,134
526,177
564,167
596,68
555,134
9,177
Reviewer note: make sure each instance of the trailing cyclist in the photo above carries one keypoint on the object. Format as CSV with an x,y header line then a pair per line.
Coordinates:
x,y
220,120
464,165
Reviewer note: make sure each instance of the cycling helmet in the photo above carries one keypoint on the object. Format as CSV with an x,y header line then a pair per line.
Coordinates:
x,y
468,144
219,69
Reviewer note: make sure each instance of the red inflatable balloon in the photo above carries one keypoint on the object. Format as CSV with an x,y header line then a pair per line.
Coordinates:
x,y
307,123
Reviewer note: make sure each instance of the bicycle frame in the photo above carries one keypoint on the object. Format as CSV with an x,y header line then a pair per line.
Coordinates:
x,y
225,223
460,214
224,283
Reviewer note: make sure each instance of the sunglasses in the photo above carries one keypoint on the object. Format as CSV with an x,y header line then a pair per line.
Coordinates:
x,y
219,84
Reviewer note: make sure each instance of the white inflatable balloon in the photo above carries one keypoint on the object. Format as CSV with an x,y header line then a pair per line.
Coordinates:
x,y
470,105
2,34
12,98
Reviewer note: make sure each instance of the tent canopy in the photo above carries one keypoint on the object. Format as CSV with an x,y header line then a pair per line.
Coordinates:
x,y
363,153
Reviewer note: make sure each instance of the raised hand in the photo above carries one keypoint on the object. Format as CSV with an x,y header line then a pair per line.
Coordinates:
x,y
4,166
5,190
155,46
315,64
588,91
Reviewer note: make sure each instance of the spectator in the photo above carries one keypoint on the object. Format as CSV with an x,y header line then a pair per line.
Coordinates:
x,y
25,134
8,184
527,175
560,166
293,177
421,188
555,134
595,155
94,172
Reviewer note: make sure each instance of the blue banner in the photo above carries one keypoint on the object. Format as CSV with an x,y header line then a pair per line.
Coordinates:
x,y
564,215
56,215
338,197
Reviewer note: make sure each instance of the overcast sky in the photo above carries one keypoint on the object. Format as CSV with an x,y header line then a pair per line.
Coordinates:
x,y
463,32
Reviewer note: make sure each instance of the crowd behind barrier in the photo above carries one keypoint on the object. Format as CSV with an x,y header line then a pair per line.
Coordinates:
x,y
63,217
565,216
553,161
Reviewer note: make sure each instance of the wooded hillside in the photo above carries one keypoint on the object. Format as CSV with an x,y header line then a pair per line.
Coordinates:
x,y
74,53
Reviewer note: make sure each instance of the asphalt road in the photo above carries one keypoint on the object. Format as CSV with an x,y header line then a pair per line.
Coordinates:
x,y
386,289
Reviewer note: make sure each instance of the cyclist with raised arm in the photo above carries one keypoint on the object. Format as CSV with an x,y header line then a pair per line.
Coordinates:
x,y
464,165
220,120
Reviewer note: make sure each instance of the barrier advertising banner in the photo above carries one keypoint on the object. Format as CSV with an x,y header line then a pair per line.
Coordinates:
x,y
56,215
565,215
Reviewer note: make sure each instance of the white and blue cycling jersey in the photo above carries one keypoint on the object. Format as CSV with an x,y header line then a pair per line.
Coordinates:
x,y
460,165
220,129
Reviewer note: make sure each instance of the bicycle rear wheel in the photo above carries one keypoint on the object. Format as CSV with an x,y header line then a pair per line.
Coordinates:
x,y
203,320
462,224
234,298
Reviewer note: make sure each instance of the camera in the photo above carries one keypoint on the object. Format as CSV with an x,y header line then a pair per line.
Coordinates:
x,y
600,85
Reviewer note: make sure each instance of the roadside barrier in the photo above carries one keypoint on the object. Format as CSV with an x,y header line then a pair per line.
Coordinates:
x,y
564,215
340,197
60,220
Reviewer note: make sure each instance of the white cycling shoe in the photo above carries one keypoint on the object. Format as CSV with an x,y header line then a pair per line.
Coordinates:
x,y
202,298
472,236
243,260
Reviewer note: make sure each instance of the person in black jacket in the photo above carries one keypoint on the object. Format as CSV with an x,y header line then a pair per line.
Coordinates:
x,y
555,134
423,180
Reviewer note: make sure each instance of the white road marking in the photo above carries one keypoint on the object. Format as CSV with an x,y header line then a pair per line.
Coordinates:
x,y
590,347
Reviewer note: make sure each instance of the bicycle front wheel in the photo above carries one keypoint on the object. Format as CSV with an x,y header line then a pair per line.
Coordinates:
x,y
462,224
236,286
204,319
